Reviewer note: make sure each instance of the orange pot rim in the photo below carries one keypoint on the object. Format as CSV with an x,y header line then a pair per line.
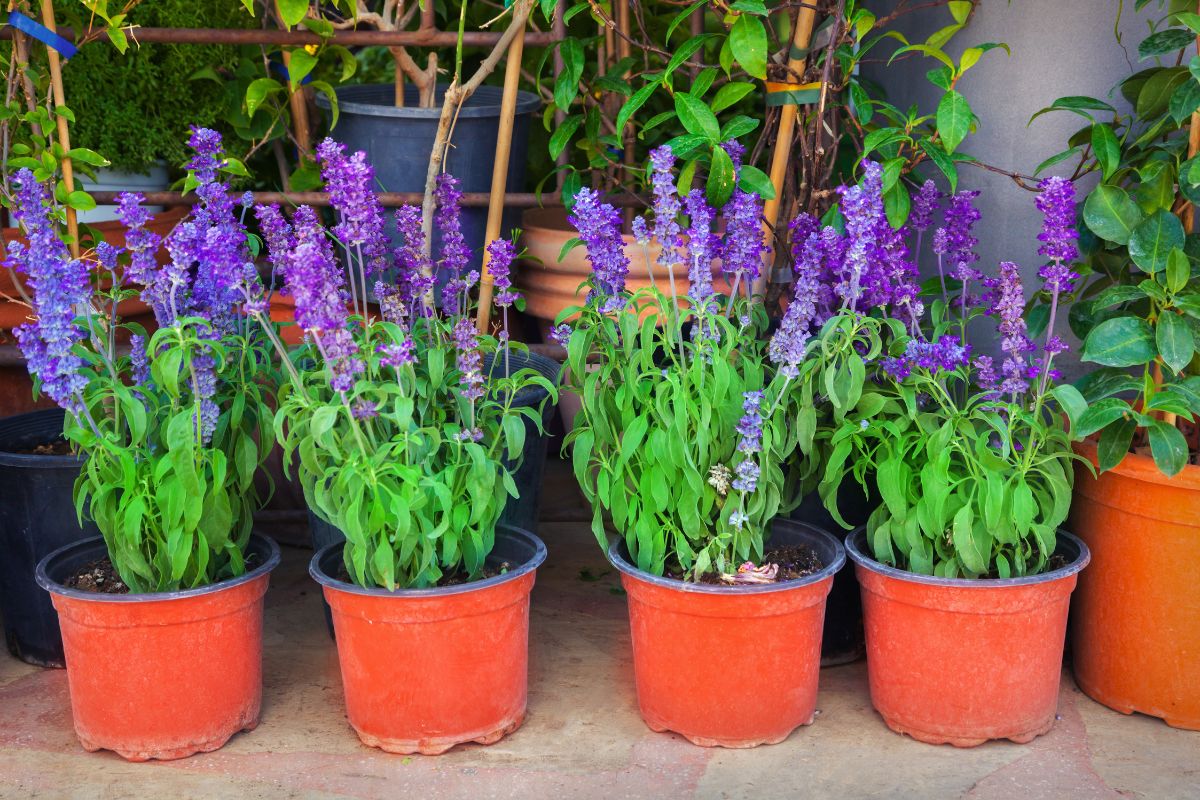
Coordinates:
x,y
1143,468
618,557
258,542
856,542
325,579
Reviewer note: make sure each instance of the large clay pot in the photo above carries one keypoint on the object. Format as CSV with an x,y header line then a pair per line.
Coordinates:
x,y
549,286
426,669
960,661
1135,640
161,675
730,666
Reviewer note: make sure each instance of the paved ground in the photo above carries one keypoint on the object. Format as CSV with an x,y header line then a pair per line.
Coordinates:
x,y
583,737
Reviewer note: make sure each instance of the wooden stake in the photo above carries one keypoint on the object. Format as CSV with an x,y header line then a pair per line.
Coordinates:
x,y
801,37
508,113
64,138
299,103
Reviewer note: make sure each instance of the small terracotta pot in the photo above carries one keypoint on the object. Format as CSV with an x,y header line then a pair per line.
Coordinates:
x,y
961,661
730,666
161,675
1135,640
426,669
551,286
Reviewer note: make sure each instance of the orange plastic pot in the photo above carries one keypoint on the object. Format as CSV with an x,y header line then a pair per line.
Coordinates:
x,y
961,661
730,666
1135,640
161,675
426,669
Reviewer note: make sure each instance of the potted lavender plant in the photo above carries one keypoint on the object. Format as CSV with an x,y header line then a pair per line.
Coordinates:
x,y
963,568
688,419
405,447
170,437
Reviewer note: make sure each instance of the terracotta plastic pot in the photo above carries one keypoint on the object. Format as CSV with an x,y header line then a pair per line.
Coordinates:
x,y
1135,640
161,675
549,286
426,669
730,666
961,661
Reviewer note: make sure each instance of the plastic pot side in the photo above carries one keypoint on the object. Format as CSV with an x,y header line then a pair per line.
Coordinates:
x,y
426,669
161,676
960,661
730,666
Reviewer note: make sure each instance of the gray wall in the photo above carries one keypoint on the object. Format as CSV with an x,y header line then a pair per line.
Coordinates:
x,y
1059,47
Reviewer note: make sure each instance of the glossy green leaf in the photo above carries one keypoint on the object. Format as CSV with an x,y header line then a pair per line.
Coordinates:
x,y
953,119
1120,342
1153,240
1106,149
292,11
696,117
719,186
1168,447
1111,214
748,41
1176,342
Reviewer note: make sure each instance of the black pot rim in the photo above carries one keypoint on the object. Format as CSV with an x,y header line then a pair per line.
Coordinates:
x,y
54,587
856,548
617,557
33,460
527,103
508,531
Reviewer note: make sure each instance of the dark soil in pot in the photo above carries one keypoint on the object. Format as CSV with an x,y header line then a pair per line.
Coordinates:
x,y
37,516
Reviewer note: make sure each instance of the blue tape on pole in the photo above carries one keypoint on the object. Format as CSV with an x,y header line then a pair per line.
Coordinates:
x,y
43,34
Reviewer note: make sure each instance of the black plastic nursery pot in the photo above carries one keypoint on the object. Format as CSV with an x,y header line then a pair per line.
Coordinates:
x,y
37,516
161,675
730,666
964,660
426,669
842,641
398,142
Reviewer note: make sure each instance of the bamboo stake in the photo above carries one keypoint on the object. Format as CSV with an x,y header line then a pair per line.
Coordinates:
x,y
801,37
508,113
299,104
64,138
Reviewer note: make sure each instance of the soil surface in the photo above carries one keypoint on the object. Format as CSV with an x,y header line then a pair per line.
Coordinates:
x,y
59,447
794,561
98,576
456,578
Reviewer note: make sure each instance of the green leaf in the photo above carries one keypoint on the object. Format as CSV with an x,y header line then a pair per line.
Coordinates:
x,y
562,135
696,117
80,201
1106,148
1165,41
748,40
1155,94
90,157
753,179
1120,342
897,203
1175,340
292,11
1152,240
1179,271
1114,443
1111,214
258,91
1099,415
683,53
301,63
1184,101
324,88
721,177
973,553
1168,446
729,94
953,119
566,86
632,105
943,162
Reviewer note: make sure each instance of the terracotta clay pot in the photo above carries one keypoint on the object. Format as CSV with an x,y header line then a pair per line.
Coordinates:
x,y
961,661
551,286
730,666
162,675
426,669
1135,640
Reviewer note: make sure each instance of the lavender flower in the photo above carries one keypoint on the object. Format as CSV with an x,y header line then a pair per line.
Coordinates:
x,y
666,207
946,354
455,254
736,151
502,254
924,204
142,244
862,207
750,431
351,185
743,249
277,234
700,245
561,334
1009,308
956,243
599,226
204,377
138,360
397,355
640,231
985,373
413,269
363,408
59,283
469,361
1057,204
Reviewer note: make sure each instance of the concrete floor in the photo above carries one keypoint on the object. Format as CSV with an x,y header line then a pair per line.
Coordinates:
x,y
583,736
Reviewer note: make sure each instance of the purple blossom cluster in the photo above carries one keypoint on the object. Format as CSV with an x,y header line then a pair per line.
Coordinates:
x,y
414,272
1056,201
599,226
501,254
141,243
701,245
59,286
750,434
742,248
1009,309
954,243
947,354
455,253
397,355
350,181
666,207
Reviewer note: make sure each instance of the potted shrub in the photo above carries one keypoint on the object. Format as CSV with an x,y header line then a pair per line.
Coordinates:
x,y
687,420
405,447
169,434
1135,640
964,571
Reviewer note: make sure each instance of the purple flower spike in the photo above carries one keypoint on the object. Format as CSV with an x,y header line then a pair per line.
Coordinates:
x,y
700,244
455,253
351,185
666,207
142,244
925,203
397,355
957,242
599,226
277,234
1058,236
561,334
469,361
1009,308
414,272
502,254
743,249
750,433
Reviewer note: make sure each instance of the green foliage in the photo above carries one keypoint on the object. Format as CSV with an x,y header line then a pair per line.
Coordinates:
x,y
136,107
1137,308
